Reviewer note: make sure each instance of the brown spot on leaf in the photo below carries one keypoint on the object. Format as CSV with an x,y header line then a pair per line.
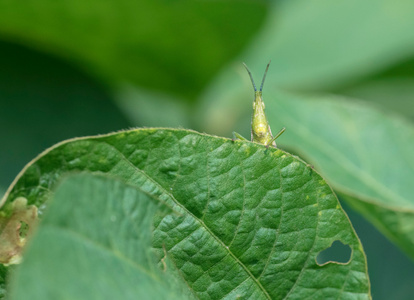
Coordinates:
x,y
12,235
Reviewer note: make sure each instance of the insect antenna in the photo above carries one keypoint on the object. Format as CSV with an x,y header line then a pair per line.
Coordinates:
x,y
251,77
264,76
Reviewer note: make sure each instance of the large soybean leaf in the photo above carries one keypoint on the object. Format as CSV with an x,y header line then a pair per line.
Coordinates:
x,y
173,46
320,44
248,221
94,242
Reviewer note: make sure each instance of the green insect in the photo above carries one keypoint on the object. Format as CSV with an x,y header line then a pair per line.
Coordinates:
x,y
261,132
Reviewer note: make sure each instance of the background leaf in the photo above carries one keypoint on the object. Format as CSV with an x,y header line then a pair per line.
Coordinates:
x,y
392,88
44,100
144,42
250,221
146,108
321,44
93,243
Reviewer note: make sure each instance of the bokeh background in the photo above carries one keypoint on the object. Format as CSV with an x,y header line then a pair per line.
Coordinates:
x,y
72,68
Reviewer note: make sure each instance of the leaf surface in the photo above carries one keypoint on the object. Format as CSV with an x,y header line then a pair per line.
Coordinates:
x,y
248,221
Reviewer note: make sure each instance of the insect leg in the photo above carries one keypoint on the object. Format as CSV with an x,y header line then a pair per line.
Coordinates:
x,y
276,136
237,136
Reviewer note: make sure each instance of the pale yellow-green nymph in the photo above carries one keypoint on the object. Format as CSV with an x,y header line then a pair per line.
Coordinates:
x,y
261,132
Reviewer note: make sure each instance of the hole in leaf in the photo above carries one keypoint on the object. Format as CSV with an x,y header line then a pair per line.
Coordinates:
x,y
336,253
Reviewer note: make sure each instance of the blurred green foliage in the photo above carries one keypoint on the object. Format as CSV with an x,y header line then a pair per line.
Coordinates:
x,y
43,100
74,68
172,46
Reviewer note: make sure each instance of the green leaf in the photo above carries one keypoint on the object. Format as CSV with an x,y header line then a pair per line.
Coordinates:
x,y
247,221
94,242
45,100
321,44
148,43
3,275
150,109
392,88
365,153
393,94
